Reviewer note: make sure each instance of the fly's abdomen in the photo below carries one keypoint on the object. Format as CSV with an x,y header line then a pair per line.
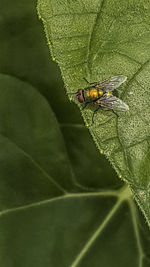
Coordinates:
x,y
92,94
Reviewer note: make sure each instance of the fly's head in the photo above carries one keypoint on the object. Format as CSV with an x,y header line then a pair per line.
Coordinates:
x,y
80,95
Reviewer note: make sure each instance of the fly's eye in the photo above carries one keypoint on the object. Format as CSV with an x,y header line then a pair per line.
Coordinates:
x,y
80,96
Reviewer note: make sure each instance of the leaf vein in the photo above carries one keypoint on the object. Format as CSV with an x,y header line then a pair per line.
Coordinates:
x,y
36,164
112,193
134,76
93,30
96,234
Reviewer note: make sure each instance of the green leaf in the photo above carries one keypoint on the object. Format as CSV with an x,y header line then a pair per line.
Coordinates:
x,y
43,215
92,170
33,157
61,235
25,55
95,222
98,39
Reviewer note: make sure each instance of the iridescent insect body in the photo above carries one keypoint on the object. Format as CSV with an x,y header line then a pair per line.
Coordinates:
x,y
102,94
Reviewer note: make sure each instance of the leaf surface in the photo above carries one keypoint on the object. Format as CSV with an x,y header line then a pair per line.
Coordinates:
x,y
97,40
32,147
46,210
95,223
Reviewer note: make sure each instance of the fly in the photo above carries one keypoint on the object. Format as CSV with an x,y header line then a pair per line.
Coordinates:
x,y
101,94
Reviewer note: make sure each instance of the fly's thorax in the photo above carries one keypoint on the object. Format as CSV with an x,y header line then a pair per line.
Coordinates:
x,y
92,93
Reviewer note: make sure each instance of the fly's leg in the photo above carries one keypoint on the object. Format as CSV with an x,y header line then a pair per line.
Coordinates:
x,y
111,110
115,113
85,105
91,84
86,80
94,114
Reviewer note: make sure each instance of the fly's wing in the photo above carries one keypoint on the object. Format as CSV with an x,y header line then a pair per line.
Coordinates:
x,y
112,102
112,83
